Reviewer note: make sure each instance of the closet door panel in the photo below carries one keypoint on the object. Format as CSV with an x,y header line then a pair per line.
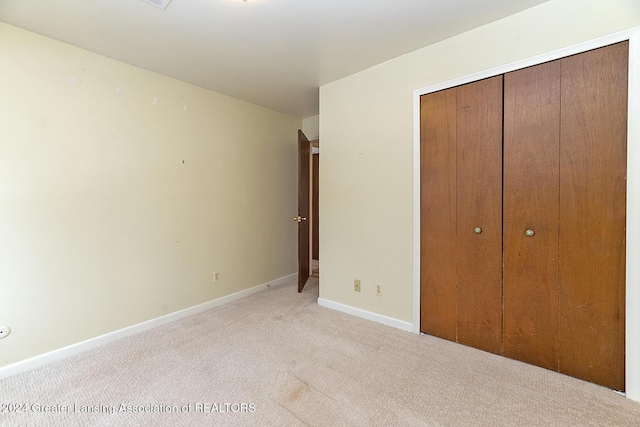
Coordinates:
x,y
592,215
438,214
479,205
531,173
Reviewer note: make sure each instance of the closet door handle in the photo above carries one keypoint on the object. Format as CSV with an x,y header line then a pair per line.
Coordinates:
x,y
529,233
477,230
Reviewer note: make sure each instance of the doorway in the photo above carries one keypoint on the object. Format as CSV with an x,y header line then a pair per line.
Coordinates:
x,y
308,209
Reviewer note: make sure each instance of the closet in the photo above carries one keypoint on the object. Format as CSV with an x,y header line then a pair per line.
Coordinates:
x,y
523,211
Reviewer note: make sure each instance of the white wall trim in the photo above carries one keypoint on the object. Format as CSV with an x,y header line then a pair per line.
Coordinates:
x,y
61,353
364,314
632,353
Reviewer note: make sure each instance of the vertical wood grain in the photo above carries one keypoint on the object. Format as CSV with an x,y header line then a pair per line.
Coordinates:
x,y
438,214
531,191
592,215
479,204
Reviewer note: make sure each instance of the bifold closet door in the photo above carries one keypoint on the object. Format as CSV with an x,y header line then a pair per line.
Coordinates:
x,y
461,214
593,215
565,181
526,257
438,260
479,214
531,211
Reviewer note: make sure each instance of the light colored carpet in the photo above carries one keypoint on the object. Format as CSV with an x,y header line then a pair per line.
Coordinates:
x,y
296,363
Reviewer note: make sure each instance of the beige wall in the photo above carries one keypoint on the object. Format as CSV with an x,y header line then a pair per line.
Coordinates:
x,y
114,210
366,179
311,127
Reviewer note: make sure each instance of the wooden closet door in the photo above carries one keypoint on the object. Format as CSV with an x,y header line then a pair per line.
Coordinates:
x,y
593,214
531,189
479,206
461,189
438,251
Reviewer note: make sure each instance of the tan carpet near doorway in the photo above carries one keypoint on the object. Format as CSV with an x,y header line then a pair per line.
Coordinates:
x,y
297,364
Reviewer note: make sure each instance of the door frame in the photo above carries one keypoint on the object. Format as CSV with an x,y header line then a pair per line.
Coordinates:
x,y
304,205
632,315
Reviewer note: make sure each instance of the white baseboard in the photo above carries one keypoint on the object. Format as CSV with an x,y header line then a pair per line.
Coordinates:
x,y
369,315
52,356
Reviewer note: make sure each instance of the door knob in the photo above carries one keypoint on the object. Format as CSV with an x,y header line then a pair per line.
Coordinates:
x,y
529,233
299,218
477,230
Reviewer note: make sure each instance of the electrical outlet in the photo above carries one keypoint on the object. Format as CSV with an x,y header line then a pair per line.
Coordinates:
x,y
4,331
356,285
216,276
379,289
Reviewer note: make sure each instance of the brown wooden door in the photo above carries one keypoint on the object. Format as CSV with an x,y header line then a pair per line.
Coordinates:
x,y
461,157
479,208
559,228
304,159
593,214
438,248
531,190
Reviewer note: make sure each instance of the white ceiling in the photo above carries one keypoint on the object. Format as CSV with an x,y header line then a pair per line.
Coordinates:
x,y
274,53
